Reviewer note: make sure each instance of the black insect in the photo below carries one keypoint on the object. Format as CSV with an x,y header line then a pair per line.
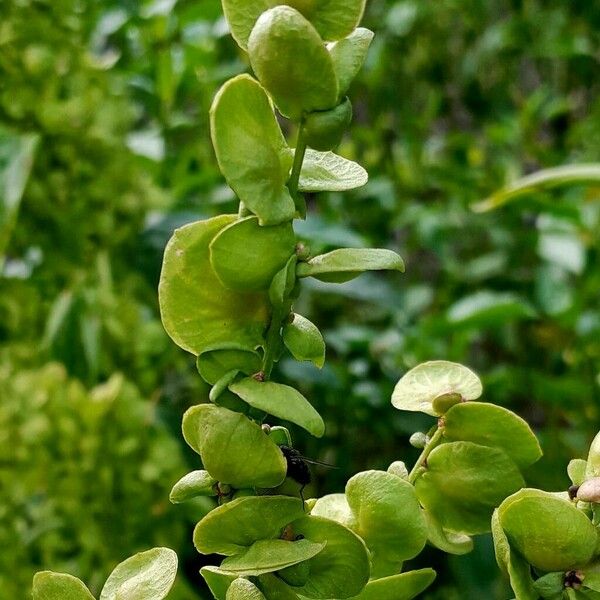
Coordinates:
x,y
297,467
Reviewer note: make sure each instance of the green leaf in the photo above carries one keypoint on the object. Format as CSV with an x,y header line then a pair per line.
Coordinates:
x,y
545,179
549,532
349,55
487,308
251,150
512,564
281,401
333,19
550,585
324,130
59,586
452,543
275,589
242,589
233,527
291,62
192,485
328,172
490,425
304,340
576,471
459,493
221,386
16,159
267,556
387,516
144,576
213,365
246,256
345,264
197,311
336,508
418,388
217,581
222,438
398,587
593,459
341,569
283,283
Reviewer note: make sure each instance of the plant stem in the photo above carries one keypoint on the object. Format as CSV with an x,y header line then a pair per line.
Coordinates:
x,y
299,155
433,443
272,341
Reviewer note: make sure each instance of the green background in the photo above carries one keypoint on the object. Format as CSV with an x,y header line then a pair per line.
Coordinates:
x,y
457,99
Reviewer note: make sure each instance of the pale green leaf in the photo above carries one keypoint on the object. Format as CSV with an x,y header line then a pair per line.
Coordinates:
x,y
449,542
348,56
233,527
459,493
246,256
267,556
328,172
345,264
59,586
242,589
281,401
197,311
488,308
333,19
251,150
304,340
291,62
144,576
418,388
192,485
222,438
404,586
213,365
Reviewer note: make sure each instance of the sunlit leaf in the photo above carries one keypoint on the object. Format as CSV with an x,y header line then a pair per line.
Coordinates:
x,y
251,150
345,264
233,527
197,311
246,256
490,425
328,172
281,401
304,340
348,56
291,62
222,438
418,388
242,589
398,587
59,586
333,19
192,485
459,493
145,576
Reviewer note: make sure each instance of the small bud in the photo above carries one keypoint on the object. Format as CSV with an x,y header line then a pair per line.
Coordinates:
x,y
266,428
573,492
589,491
302,251
418,440
573,579
260,376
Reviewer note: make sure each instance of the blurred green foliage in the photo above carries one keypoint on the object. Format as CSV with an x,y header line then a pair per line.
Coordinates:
x,y
457,99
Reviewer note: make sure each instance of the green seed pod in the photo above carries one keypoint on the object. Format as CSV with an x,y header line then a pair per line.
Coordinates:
x,y
324,129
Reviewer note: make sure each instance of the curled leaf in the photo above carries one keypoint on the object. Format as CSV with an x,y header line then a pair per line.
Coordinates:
x,y
304,340
348,56
192,485
405,586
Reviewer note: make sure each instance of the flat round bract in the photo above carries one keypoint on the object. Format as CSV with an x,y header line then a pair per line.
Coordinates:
x,y
197,311
233,527
387,515
242,589
291,62
246,256
333,19
420,386
222,438
404,586
48,585
549,532
348,56
341,569
251,150
268,556
145,575
336,508
464,482
491,425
